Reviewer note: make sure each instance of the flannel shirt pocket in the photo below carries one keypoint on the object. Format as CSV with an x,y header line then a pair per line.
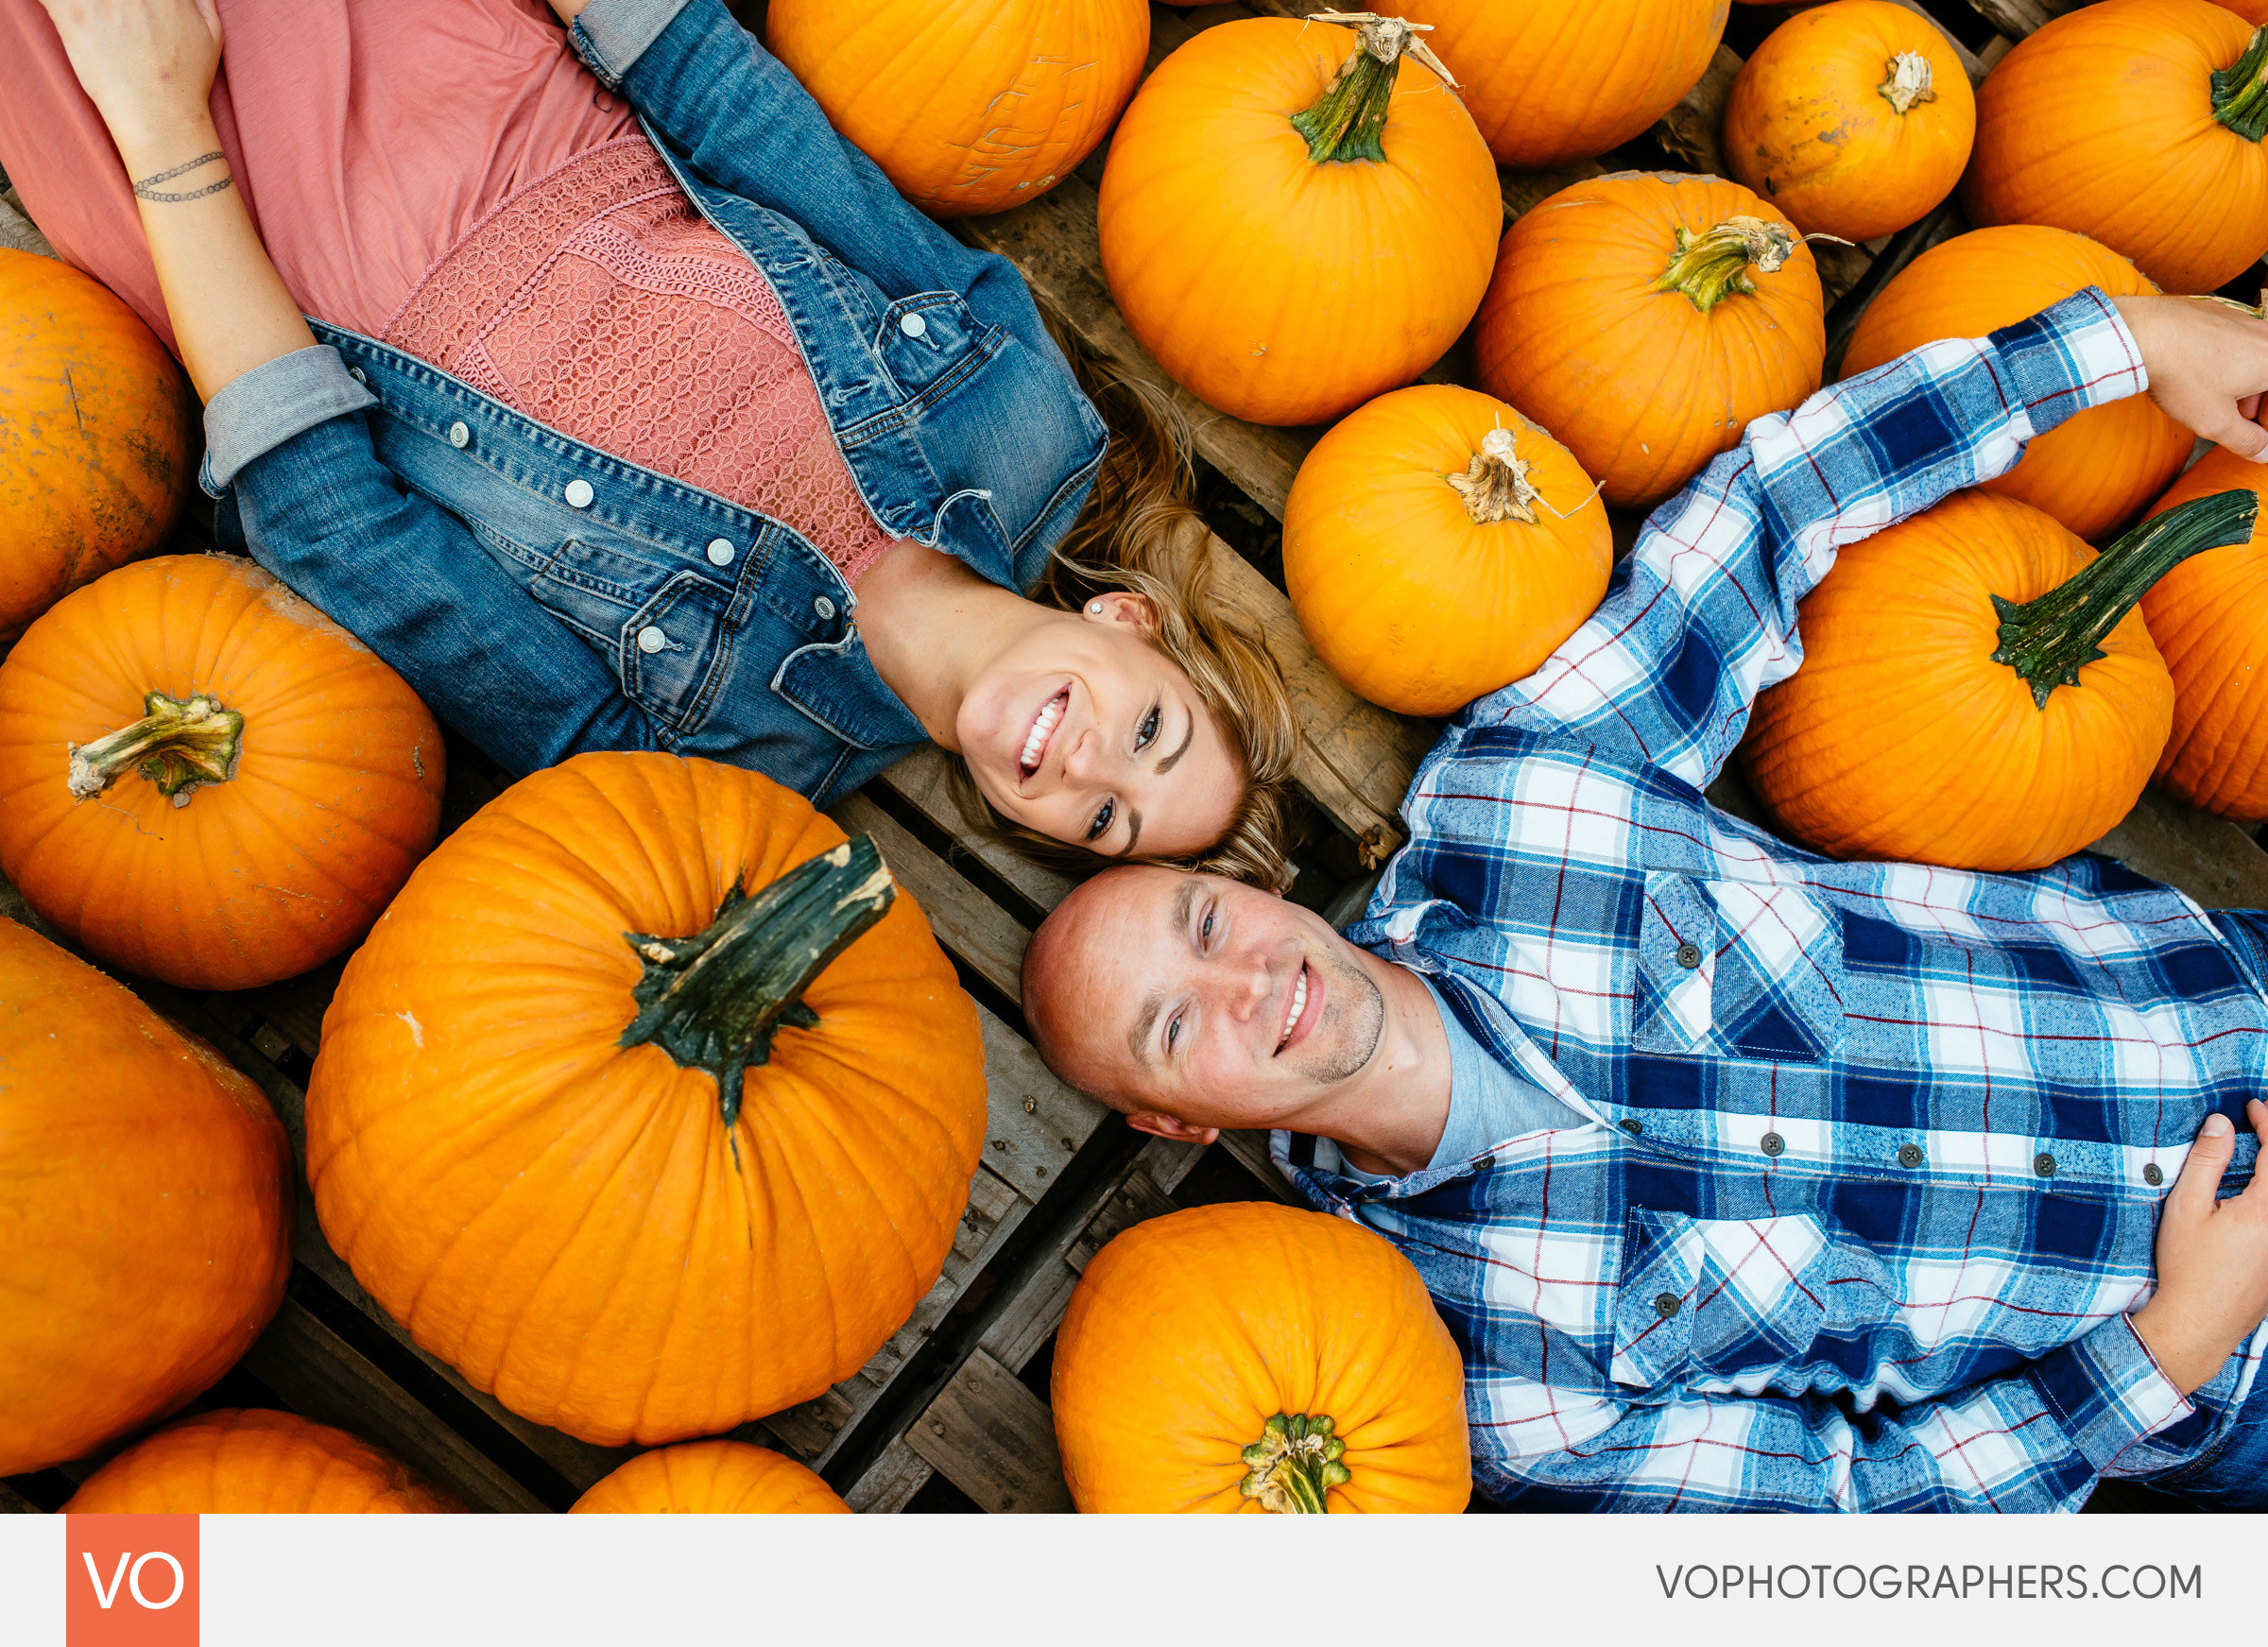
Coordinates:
x,y
1738,970
1730,1300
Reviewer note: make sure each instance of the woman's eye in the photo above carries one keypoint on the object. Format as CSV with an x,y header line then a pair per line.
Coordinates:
x,y
1148,735
1096,829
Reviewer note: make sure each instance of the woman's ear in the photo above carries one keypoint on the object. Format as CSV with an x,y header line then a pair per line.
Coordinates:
x,y
1122,607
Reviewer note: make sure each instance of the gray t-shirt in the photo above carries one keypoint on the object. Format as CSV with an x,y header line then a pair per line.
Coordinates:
x,y
1488,1103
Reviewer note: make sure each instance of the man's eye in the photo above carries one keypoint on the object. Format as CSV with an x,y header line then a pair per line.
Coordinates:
x,y
1172,1032
1148,735
1207,931
1101,825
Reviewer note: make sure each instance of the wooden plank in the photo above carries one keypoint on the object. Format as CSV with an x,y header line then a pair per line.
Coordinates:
x,y
324,1378
994,1441
2014,18
1973,65
1251,1149
1136,1201
925,780
2212,859
1690,131
966,922
891,1483
1035,1124
14,1503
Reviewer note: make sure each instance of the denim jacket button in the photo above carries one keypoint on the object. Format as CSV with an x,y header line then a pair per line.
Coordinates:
x,y
650,638
912,325
578,497
359,375
720,552
459,436
824,607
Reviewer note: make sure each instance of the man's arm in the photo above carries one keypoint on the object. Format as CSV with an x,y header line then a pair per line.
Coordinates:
x,y
1702,616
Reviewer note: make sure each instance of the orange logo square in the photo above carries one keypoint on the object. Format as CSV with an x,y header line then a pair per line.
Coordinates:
x,y
130,1581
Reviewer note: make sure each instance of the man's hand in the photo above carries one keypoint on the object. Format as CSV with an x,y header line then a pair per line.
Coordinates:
x,y
2208,365
2212,1260
147,65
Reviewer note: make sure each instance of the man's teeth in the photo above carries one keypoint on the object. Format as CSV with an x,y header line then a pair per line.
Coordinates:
x,y
1298,1006
1049,715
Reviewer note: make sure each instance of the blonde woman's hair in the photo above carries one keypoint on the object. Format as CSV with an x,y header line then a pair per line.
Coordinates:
x,y
1139,534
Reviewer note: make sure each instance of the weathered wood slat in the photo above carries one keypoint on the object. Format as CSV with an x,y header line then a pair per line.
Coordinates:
x,y
14,1503
891,1484
995,1440
925,780
2216,862
2016,18
966,922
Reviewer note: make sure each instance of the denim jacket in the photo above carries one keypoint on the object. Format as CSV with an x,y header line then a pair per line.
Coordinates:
x,y
546,598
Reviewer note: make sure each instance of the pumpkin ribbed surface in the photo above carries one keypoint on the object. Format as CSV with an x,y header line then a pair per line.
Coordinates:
x,y
1642,382
332,789
145,1209
2103,123
574,1224
712,1477
96,436
2093,472
2252,11
1900,737
2209,618
1436,545
1555,81
251,1462
1854,118
972,107
1276,287
1189,1332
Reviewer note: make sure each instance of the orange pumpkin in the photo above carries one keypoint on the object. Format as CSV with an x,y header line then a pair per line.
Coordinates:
x,y
1977,690
1644,318
1248,1356
96,436
1554,80
2252,11
1436,545
204,780
2094,470
2209,618
250,1462
146,1209
552,1131
712,1477
1291,224
2137,123
974,107
1854,118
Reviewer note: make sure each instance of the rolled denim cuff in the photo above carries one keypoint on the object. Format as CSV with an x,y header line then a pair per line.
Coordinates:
x,y
271,404
613,34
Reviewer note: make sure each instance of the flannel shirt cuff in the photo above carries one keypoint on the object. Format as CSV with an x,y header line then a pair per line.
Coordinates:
x,y
2073,355
2108,1391
271,403
610,35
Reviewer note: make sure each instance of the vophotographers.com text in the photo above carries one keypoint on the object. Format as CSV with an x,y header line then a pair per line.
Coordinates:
x,y
1913,1581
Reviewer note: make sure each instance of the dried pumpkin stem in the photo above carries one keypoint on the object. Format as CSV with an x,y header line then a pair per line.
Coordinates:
x,y
1346,122
713,1001
1495,486
1908,82
2046,640
178,745
1712,265
1296,1461
2240,91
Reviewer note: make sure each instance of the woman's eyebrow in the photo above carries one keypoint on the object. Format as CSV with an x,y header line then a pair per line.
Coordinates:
x,y
1188,736
1133,829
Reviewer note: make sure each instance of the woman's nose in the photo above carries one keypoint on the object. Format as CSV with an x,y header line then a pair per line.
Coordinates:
x,y
1086,761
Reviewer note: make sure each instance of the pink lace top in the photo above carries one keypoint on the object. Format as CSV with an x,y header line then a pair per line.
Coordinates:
x,y
596,300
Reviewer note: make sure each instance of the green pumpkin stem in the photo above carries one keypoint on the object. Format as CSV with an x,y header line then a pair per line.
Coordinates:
x,y
1712,265
713,1001
2046,640
1344,123
2240,91
1294,1464
1908,82
180,746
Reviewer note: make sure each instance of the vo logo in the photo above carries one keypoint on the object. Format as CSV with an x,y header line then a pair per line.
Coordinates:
x,y
130,1581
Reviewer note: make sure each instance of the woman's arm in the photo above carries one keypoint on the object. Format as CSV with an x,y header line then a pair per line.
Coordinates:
x,y
148,67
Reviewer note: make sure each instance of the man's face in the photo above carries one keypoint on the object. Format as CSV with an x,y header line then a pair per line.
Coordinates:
x,y
1203,999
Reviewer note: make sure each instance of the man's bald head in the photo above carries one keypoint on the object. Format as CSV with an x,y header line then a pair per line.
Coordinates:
x,y
1068,965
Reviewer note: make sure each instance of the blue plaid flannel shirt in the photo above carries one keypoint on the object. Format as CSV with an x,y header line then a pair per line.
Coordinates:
x,y
1854,1209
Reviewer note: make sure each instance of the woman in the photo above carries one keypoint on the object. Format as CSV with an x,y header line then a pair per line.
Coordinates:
x,y
709,397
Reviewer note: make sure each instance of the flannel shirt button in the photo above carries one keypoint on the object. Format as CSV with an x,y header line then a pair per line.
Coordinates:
x,y
2044,1164
1773,1143
1634,1128
1666,1306
1689,956
1909,1155
2153,1175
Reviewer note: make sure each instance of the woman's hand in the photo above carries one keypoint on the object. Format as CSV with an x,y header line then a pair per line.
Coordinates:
x,y
148,67
569,10
2208,365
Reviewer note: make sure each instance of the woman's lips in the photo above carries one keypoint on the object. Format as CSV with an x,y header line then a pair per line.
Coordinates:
x,y
1042,734
1304,1008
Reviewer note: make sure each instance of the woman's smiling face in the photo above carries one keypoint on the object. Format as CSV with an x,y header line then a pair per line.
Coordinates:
x,y
1083,730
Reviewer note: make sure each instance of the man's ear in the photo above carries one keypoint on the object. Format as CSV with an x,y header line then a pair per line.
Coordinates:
x,y
1171,1128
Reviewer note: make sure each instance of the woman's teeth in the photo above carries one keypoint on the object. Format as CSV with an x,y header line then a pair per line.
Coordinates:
x,y
1298,1006
1049,713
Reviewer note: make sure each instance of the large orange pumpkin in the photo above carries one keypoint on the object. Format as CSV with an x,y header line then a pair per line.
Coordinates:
x,y
251,1462
2137,123
1977,690
1854,118
2094,470
145,1209
1644,318
552,1131
1436,545
96,436
1555,81
1293,221
972,107
204,780
2252,11
712,1477
1248,1356
2209,618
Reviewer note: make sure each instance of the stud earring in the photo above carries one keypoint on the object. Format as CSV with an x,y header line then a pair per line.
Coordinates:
x,y
1096,608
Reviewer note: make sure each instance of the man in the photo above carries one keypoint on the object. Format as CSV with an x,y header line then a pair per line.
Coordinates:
x,y
1746,1179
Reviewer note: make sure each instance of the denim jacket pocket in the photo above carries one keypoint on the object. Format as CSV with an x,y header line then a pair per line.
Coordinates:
x,y
675,648
930,339
1727,1300
1738,970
